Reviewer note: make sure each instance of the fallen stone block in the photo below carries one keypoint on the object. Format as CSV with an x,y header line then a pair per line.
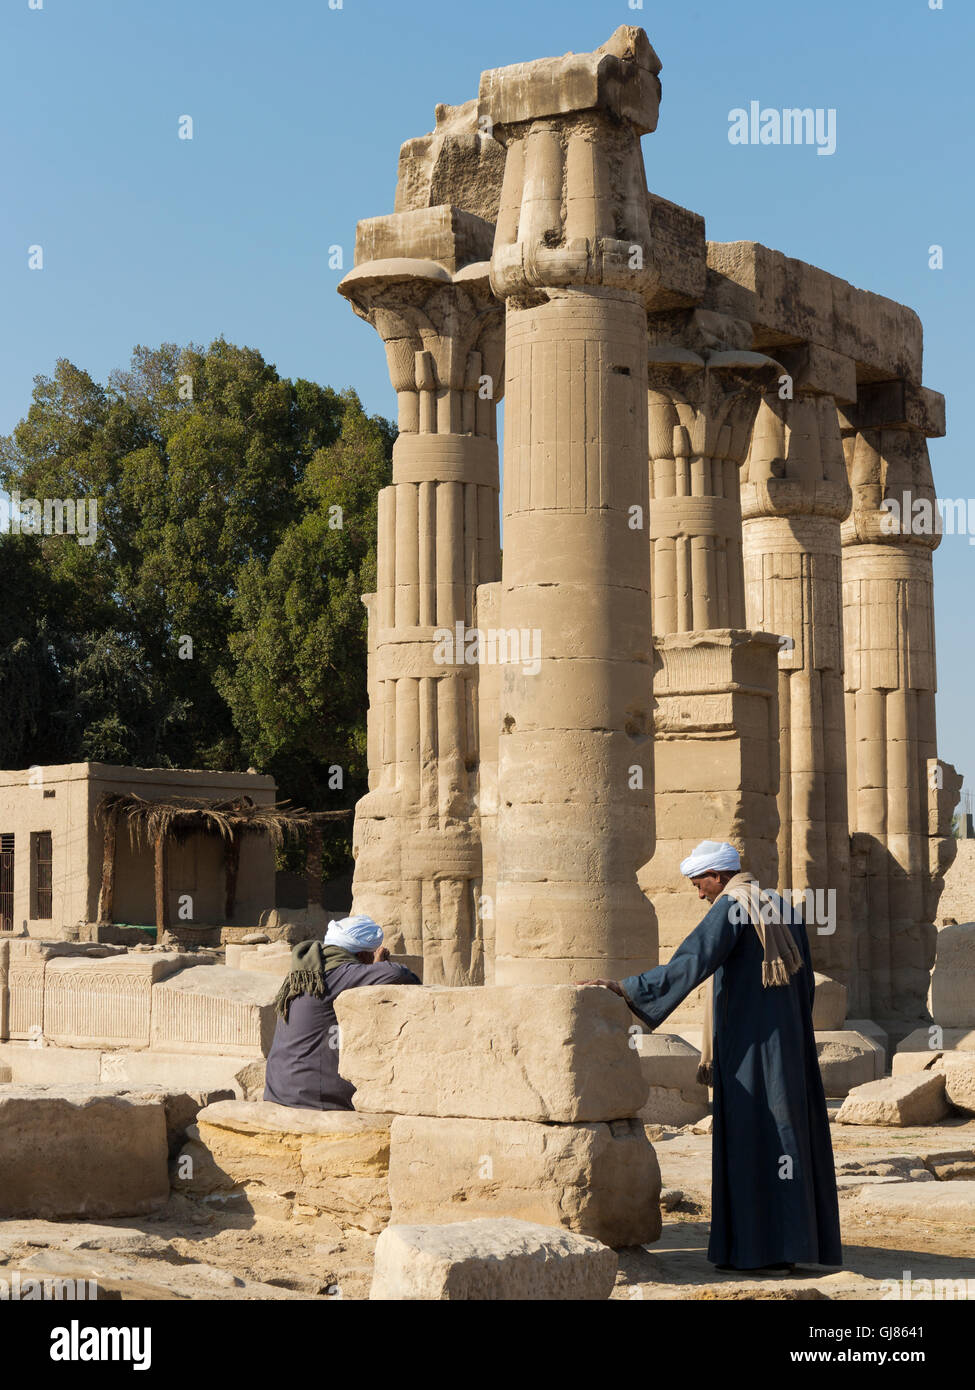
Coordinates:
x,y
215,1010
958,1070
951,996
104,1002
917,1099
81,1151
870,1030
952,1202
921,1049
274,959
598,1179
490,1259
183,1071
847,1059
496,1052
34,1064
829,1004
669,1066
335,1163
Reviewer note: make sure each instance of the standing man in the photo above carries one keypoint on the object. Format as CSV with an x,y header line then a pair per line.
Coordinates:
x,y
303,1063
773,1188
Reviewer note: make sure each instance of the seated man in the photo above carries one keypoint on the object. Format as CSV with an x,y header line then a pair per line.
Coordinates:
x,y
303,1064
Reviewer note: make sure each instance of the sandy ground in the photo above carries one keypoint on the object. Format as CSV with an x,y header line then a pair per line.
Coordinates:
x,y
195,1250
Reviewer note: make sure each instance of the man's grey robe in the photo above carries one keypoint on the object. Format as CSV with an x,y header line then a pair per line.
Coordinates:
x,y
303,1063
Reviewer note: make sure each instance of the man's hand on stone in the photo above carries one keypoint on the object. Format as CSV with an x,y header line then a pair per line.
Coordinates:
x,y
606,984
380,954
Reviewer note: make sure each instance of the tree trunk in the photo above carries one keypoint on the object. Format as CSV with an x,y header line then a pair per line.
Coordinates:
x,y
162,896
231,863
106,895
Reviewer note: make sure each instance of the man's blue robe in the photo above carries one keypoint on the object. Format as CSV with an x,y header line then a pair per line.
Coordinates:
x,y
769,1103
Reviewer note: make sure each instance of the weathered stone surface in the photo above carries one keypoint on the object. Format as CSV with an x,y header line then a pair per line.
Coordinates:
x,y
951,998
896,1100
958,1070
334,1162
930,1201
846,1060
601,1180
785,298
921,1049
104,1002
870,1030
182,1071
669,1065
218,1010
829,1004
81,1151
490,1259
516,1052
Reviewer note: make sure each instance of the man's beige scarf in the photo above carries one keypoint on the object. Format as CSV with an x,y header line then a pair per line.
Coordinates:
x,y
782,958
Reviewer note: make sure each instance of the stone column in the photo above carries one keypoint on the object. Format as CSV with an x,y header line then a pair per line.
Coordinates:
x,y
418,854
894,774
704,392
571,258
715,685
795,494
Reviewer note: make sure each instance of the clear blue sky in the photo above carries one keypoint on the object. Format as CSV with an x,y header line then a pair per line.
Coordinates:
x,y
299,111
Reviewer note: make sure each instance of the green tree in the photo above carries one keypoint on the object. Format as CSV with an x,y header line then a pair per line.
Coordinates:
x,y
215,621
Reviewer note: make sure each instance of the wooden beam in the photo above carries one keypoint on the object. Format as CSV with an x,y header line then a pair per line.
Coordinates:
x,y
162,897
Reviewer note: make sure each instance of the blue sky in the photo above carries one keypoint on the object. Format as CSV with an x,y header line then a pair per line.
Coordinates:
x,y
299,111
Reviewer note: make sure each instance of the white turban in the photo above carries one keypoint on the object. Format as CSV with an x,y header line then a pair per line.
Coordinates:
x,y
355,934
711,856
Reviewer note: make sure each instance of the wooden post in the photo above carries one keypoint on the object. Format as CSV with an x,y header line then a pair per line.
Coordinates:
x,y
313,866
106,895
162,875
231,863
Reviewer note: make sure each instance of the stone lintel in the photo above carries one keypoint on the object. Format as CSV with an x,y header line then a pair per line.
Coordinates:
x,y
898,404
678,254
444,234
791,302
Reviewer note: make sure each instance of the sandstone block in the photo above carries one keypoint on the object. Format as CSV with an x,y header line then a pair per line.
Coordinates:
x,y
490,1259
952,1202
25,996
81,1151
829,1004
846,1060
181,1071
921,1049
602,1180
666,1105
104,1003
51,1066
218,1010
870,1030
334,1162
958,1070
669,1066
951,998
496,1052
896,1100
